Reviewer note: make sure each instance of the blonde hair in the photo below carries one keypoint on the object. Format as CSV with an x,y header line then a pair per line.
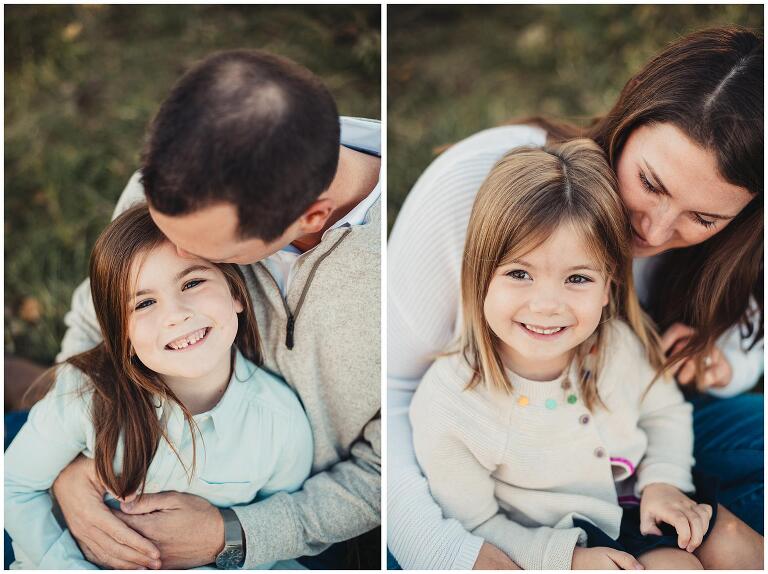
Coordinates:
x,y
528,194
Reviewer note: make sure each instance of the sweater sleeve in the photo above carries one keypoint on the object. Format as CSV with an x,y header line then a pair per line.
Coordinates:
x,y
424,252
666,418
465,490
746,364
54,434
335,505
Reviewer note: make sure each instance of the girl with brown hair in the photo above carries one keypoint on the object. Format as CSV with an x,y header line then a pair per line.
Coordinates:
x,y
163,402
549,427
686,142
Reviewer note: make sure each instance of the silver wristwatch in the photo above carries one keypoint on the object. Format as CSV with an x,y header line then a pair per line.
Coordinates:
x,y
233,554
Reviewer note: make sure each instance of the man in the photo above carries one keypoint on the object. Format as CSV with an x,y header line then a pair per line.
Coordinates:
x,y
247,162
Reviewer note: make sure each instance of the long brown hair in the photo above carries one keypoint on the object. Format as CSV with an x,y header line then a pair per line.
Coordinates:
x,y
528,194
125,392
709,85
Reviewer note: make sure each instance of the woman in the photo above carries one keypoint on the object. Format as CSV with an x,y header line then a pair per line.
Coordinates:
x,y
685,139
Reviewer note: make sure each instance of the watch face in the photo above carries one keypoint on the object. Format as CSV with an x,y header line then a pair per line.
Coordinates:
x,y
229,558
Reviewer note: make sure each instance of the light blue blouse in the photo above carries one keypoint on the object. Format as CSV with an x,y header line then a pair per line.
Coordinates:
x,y
256,441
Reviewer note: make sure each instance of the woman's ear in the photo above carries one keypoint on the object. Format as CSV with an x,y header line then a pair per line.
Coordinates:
x,y
238,305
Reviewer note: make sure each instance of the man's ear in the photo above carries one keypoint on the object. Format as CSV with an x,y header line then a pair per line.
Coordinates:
x,y
316,215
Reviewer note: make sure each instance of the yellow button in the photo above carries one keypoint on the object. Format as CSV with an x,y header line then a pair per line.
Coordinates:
x,y
522,401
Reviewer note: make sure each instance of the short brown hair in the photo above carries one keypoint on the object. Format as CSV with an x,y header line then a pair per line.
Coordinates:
x,y
245,127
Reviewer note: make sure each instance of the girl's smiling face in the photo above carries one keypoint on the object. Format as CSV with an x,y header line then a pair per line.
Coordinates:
x,y
542,305
182,316
673,191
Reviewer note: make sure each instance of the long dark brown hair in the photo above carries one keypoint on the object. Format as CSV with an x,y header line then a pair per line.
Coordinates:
x,y
709,85
125,392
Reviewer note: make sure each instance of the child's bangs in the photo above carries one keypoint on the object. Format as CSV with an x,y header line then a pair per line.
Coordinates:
x,y
596,245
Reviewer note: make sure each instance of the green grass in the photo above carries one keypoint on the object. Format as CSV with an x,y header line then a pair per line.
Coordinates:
x,y
81,85
455,70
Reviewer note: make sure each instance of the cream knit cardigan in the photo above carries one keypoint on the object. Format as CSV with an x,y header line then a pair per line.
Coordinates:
x,y
517,475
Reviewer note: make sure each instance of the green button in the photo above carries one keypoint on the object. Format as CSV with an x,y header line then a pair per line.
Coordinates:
x,y
572,399
550,404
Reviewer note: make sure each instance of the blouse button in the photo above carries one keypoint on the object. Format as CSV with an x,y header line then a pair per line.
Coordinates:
x,y
550,404
522,401
599,452
566,384
584,419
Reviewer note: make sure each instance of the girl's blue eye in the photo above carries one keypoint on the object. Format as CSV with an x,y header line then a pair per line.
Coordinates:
x,y
518,274
144,304
578,279
192,283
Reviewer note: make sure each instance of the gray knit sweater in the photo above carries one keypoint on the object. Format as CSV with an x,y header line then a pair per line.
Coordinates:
x,y
333,363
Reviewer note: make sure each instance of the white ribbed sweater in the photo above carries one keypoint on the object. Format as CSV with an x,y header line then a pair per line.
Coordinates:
x,y
518,475
424,262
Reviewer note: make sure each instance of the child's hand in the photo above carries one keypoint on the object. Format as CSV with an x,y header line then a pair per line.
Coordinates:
x,y
664,503
601,558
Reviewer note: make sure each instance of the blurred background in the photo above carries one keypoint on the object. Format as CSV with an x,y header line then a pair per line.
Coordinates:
x,y
81,85
455,70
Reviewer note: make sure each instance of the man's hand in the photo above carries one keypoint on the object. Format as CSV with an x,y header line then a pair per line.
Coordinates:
x,y
601,558
104,539
664,503
491,558
717,369
187,529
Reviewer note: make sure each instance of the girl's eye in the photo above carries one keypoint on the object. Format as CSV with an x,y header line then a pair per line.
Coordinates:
x,y
518,274
144,304
704,222
192,283
578,279
647,184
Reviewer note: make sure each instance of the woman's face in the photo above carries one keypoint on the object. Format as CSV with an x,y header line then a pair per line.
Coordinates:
x,y
673,191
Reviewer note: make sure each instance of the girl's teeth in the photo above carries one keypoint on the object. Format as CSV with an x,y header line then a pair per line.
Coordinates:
x,y
191,340
543,331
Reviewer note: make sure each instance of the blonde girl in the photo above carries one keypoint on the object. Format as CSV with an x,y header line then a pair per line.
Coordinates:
x,y
550,433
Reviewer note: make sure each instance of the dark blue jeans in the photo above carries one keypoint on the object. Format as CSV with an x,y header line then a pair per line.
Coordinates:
x,y
728,444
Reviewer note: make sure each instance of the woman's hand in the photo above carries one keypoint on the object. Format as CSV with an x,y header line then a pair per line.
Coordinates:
x,y
665,503
104,539
717,373
601,558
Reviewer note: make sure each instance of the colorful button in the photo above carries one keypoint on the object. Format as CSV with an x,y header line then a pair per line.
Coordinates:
x,y
550,404
522,401
584,419
566,384
572,399
599,452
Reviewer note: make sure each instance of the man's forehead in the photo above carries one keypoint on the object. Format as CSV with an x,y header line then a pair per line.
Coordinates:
x,y
209,231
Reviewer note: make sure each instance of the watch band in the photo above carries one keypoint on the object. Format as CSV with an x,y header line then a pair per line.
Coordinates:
x,y
233,554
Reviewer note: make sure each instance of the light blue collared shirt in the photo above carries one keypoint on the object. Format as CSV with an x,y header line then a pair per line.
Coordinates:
x,y
256,441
